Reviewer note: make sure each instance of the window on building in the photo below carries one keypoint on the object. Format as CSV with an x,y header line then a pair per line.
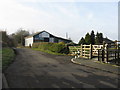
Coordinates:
x,y
46,39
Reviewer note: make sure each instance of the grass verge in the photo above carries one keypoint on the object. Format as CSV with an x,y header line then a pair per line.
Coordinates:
x,y
7,57
47,51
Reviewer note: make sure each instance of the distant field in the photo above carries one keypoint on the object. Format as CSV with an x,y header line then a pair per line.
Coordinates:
x,y
7,57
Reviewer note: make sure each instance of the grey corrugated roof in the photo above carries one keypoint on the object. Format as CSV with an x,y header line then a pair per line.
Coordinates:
x,y
108,40
34,34
47,32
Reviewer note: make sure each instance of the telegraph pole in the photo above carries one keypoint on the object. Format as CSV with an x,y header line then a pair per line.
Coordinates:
x,y
66,35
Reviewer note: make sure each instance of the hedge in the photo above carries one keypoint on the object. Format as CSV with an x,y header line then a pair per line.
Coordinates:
x,y
7,57
54,47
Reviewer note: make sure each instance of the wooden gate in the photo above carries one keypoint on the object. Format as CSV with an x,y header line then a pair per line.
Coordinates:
x,y
86,51
95,49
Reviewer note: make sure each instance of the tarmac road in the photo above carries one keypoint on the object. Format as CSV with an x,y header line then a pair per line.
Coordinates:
x,y
35,69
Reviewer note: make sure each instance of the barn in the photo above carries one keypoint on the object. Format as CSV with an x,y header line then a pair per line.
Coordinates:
x,y
44,36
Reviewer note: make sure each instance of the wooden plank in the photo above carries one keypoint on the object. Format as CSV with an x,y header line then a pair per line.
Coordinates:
x,y
86,48
86,54
86,51
85,45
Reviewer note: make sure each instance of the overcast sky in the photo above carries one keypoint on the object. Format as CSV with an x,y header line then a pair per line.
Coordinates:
x,y
76,17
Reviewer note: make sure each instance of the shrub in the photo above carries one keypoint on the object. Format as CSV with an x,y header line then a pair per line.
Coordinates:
x,y
57,47
54,47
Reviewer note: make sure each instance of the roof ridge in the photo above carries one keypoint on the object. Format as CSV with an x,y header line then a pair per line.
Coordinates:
x,y
44,31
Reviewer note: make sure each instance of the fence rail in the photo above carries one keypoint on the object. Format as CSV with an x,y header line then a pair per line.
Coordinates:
x,y
104,52
111,52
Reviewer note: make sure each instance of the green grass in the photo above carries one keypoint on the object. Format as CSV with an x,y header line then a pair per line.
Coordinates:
x,y
47,51
7,57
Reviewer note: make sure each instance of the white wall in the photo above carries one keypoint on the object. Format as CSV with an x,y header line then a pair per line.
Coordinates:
x,y
28,41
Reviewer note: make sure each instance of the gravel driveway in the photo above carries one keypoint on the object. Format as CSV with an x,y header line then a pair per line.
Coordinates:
x,y
35,69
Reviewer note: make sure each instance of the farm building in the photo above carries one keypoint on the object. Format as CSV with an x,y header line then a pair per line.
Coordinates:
x,y
108,41
43,36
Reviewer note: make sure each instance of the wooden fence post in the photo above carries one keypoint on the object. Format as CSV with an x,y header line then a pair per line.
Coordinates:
x,y
102,55
107,56
90,51
118,53
115,55
116,45
107,53
81,50
98,55
103,44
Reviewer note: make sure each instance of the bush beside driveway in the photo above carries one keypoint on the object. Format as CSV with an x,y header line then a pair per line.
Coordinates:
x,y
52,48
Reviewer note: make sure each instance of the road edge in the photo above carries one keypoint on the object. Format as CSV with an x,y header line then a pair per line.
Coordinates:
x,y
73,61
4,81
